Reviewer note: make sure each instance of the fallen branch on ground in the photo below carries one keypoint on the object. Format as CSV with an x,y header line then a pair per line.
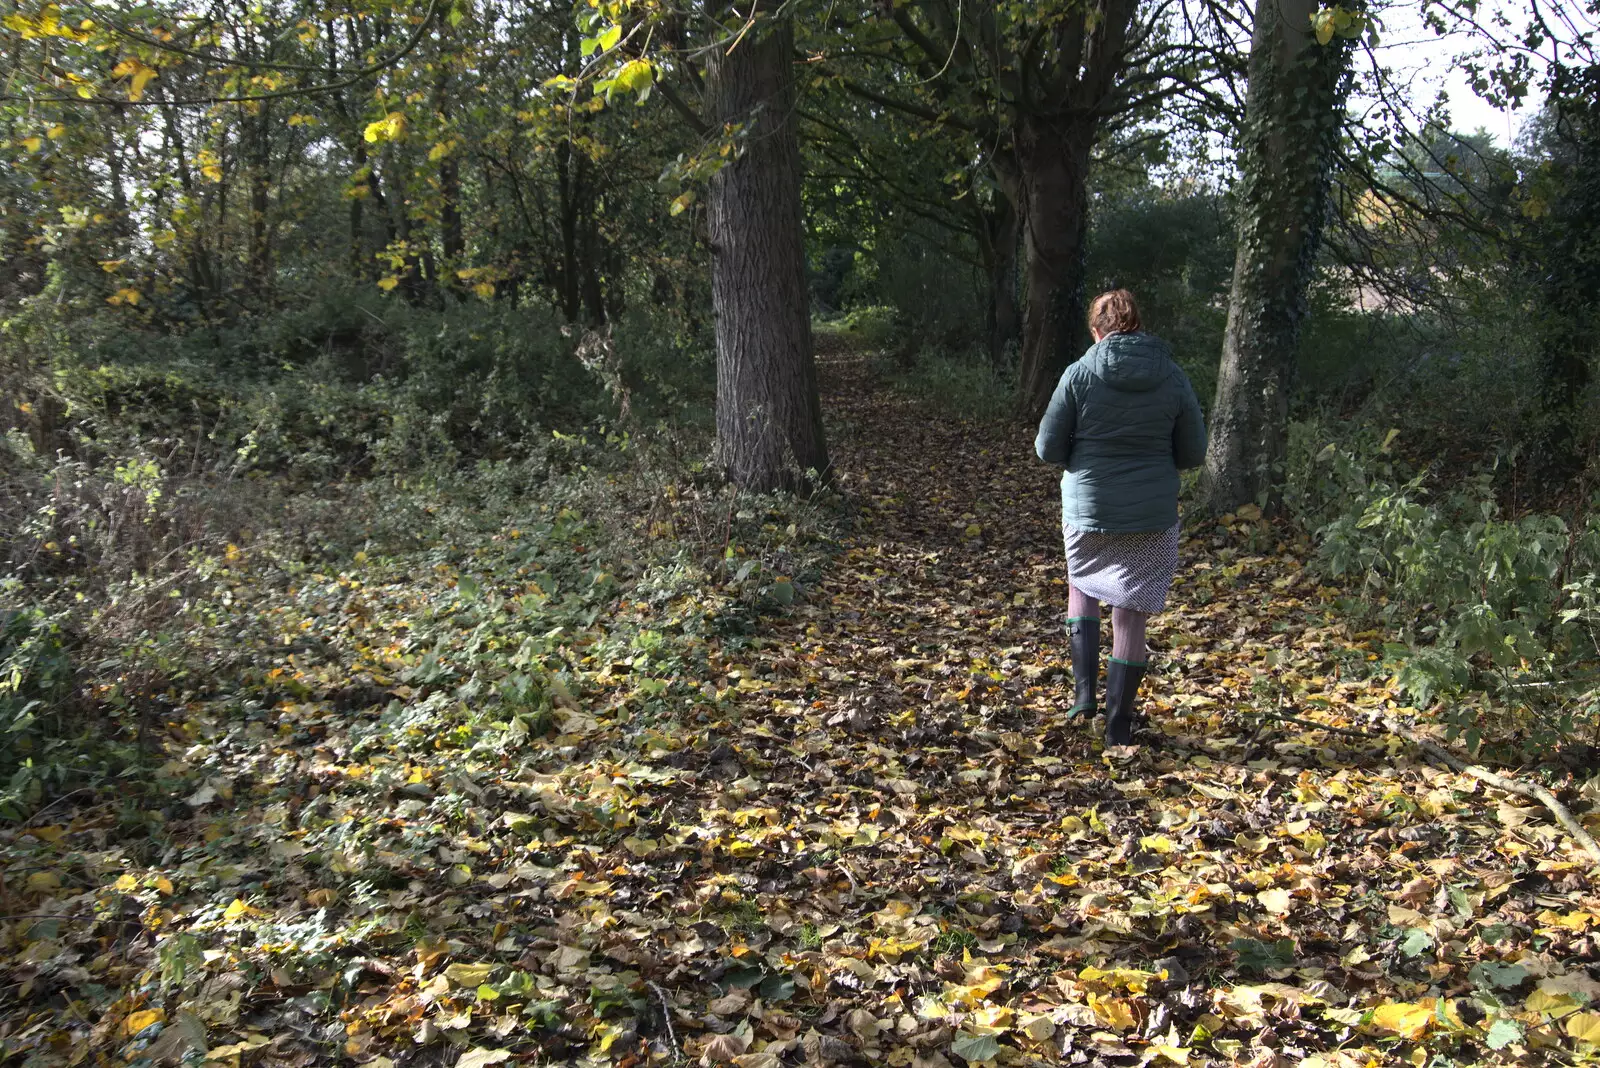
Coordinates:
x,y
1562,813
1537,793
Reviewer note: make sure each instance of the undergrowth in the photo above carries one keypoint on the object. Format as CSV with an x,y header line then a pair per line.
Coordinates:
x,y
1495,615
183,523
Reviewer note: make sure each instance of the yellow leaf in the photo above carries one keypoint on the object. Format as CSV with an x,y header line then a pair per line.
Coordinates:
x,y
1275,901
239,910
164,885
140,1020
124,296
1116,1013
473,975
140,80
440,151
138,73
1252,843
32,144
388,128
388,283
1549,1002
1159,843
1406,1019
1584,1026
55,132
484,289
44,882
125,884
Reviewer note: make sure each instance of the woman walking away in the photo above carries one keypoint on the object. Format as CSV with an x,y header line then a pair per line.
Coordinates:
x,y
1123,421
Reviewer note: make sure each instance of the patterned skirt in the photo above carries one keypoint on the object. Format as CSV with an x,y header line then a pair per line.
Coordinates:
x,y
1131,571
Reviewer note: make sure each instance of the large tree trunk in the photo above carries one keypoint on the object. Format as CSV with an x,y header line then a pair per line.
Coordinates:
x,y
769,417
1292,118
997,232
1053,173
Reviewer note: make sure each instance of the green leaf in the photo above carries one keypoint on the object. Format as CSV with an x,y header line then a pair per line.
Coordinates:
x,y
783,592
1416,942
467,587
609,37
975,1047
1257,956
743,976
1503,1033
1494,975
776,987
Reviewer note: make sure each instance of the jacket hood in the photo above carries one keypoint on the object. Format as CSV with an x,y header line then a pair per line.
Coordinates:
x,y
1131,363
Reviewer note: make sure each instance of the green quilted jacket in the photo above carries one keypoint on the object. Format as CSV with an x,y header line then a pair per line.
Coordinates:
x,y
1123,421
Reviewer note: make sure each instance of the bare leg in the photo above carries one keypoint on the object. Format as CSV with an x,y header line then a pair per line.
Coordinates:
x,y
1127,634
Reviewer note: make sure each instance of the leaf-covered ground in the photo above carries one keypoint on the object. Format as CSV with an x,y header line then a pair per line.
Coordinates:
x,y
483,806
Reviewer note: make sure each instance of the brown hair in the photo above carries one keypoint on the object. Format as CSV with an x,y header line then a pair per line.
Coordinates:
x,y
1114,313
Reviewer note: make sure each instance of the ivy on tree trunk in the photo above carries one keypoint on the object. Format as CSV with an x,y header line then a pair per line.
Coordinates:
x,y
1293,114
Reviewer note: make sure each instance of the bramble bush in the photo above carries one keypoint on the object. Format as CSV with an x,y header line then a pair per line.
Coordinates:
x,y
1498,616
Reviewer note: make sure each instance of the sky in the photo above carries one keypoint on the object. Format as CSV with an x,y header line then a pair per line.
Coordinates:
x,y
1428,63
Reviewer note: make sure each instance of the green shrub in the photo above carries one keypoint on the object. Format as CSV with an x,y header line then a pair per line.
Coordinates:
x,y
1496,615
966,387
875,326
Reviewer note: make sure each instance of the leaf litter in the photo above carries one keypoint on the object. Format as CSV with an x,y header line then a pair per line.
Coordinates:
x,y
863,833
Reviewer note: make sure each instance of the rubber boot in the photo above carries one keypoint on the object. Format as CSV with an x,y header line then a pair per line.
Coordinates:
x,y
1122,692
1085,632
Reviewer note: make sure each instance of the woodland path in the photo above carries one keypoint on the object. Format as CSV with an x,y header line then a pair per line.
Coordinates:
x,y
879,843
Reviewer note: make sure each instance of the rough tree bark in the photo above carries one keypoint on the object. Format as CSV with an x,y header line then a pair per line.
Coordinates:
x,y
1053,159
997,243
1053,131
1293,113
769,416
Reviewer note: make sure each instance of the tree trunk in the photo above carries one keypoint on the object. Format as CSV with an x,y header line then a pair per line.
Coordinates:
x,y
358,244
997,234
1292,118
450,230
769,416
589,247
256,147
568,176
1053,171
